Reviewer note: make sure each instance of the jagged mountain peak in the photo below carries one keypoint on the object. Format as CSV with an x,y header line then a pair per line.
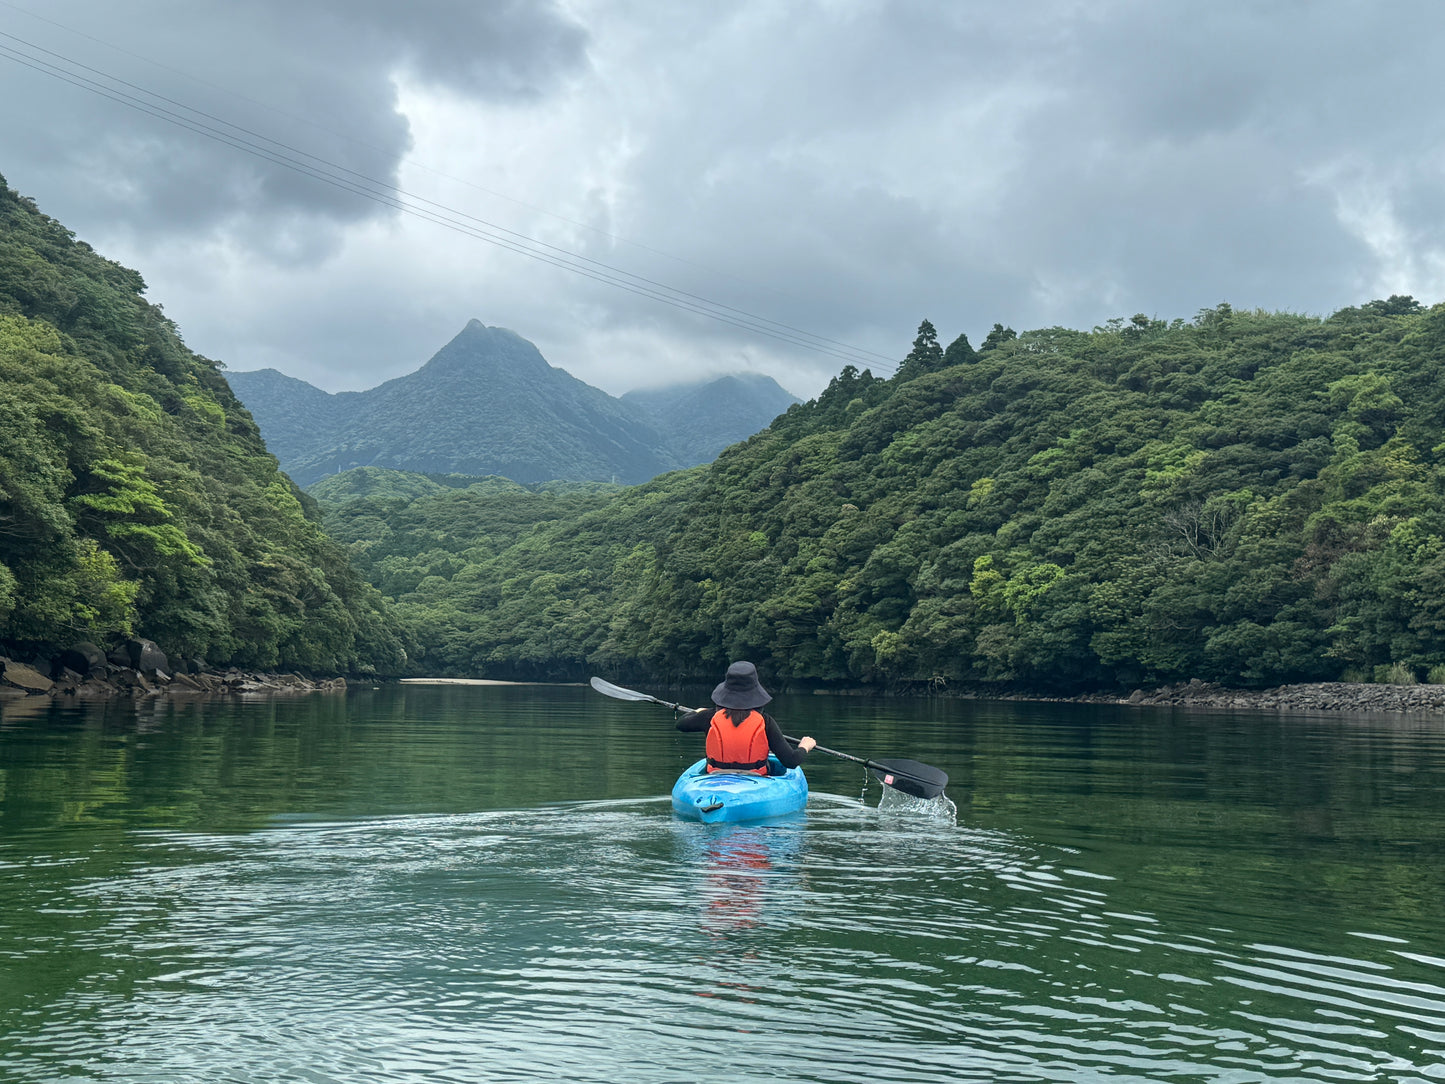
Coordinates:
x,y
489,403
494,351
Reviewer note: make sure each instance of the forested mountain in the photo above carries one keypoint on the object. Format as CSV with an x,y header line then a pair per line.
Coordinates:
x,y
486,403
704,418
489,404
1248,497
361,483
136,495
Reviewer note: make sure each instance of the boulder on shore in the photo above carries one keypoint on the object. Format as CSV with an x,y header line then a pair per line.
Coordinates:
x,y
24,677
138,669
83,657
145,656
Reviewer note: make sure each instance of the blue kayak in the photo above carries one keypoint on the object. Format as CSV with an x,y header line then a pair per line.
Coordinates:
x,y
726,796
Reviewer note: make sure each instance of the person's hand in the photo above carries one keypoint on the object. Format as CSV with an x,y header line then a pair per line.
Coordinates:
x,y
806,744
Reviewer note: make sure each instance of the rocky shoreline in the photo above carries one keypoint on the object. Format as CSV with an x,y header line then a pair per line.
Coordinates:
x,y
1325,696
139,670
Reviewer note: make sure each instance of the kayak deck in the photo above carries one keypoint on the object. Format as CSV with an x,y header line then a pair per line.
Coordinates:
x,y
724,796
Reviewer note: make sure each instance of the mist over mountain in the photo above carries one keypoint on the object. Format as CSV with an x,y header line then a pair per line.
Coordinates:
x,y
488,403
710,415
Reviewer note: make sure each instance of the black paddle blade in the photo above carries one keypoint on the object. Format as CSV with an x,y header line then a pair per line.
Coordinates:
x,y
910,776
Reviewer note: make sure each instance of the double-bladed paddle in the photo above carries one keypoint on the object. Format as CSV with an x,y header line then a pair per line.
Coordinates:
x,y
909,776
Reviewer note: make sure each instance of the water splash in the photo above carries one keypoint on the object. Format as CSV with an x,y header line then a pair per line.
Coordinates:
x,y
894,802
939,809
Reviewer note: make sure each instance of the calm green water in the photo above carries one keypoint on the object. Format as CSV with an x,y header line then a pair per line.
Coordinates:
x,y
487,884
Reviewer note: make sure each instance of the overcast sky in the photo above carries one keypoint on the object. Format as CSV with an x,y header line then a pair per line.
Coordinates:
x,y
843,168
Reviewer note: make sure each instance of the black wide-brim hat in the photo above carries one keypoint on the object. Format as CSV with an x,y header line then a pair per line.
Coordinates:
x,y
741,688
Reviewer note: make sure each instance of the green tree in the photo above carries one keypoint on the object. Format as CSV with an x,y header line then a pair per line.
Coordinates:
x,y
997,336
926,355
959,352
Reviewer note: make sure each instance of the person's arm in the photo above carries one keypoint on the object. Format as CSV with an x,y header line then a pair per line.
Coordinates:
x,y
778,745
696,721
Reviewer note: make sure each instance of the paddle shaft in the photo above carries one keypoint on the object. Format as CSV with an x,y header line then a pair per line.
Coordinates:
x,y
875,765
835,753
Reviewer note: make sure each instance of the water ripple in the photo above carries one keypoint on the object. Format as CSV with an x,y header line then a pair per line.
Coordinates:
x,y
606,941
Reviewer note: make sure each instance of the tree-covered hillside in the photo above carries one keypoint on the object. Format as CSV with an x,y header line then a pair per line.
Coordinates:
x,y
500,579
1247,497
135,493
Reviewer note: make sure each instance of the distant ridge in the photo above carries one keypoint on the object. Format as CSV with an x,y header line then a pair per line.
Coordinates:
x,y
295,410
488,403
716,413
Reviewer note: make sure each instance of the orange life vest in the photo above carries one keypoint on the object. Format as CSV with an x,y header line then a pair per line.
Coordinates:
x,y
740,748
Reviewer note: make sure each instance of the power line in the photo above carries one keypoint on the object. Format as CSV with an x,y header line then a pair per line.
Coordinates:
x,y
413,163
388,195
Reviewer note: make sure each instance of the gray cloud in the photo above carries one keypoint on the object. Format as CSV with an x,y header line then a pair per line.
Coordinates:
x,y
498,49
299,80
845,167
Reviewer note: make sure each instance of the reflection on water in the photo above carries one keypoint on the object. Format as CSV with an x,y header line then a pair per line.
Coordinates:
x,y
741,864
397,889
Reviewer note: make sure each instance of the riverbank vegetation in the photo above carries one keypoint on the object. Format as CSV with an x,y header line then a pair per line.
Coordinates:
x,y
136,496
1247,498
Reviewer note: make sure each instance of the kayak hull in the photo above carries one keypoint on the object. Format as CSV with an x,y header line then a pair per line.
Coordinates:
x,y
723,796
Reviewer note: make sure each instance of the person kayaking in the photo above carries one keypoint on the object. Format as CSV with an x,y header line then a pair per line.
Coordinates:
x,y
739,736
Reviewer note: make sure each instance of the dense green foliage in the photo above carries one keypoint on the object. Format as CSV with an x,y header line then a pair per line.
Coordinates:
x,y
501,579
135,493
398,486
361,483
1248,497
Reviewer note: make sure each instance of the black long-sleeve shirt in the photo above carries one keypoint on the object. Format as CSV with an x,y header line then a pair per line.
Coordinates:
x,y
700,720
